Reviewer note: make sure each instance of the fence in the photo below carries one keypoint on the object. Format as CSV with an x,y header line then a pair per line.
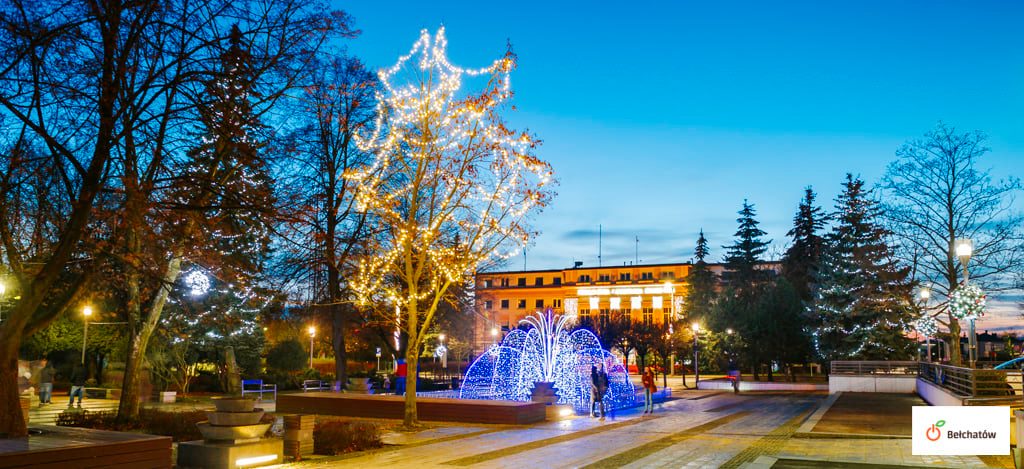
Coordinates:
x,y
868,367
979,386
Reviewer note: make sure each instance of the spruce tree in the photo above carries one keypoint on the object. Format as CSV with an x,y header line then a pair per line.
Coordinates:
x,y
700,295
862,298
742,257
801,259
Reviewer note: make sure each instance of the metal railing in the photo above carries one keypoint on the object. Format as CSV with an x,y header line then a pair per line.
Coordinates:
x,y
980,386
874,367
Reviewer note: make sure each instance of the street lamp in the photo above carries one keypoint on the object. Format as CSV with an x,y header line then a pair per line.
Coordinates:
x,y
86,312
963,249
312,334
444,353
926,294
696,358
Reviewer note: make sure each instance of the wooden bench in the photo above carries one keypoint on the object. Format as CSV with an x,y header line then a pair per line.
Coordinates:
x,y
256,386
315,385
64,447
428,408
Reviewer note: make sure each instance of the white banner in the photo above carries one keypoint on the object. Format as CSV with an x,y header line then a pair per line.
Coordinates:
x,y
954,430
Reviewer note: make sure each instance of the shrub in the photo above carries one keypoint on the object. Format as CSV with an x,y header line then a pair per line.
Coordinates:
x,y
287,355
181,426
339,436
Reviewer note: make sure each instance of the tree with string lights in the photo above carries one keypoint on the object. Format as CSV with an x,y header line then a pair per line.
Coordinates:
x,y
451,186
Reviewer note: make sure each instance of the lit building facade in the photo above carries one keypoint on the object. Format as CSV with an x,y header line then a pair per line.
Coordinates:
x,y
645,293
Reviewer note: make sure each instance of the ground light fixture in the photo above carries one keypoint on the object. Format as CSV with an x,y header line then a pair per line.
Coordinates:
x,y
255,460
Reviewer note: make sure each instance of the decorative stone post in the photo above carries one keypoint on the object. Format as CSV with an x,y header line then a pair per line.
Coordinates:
x,y
232,438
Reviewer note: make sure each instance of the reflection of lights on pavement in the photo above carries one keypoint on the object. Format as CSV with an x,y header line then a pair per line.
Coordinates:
x,y
565,412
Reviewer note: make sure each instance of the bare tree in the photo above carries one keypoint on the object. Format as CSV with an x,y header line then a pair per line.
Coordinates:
x,y
451,186
935,193
323,231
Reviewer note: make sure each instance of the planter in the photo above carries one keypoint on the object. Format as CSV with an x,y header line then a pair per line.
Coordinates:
x,y
26,404
360,386
168,397
233,419
234,404
239,434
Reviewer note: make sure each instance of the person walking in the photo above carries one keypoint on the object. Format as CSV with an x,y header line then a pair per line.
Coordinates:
x,y
599,386
649,390
77,384
46,383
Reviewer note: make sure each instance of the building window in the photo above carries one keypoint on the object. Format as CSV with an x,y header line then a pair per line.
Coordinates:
x,y
522,304
504,282
488,283
647,276
666,315
538,304
627,313
539,281
504,304
648,316
557,303
635,302
668,275
488,304
584,314
604,278
657,302
593,302
522,281
584,279
616,302
624,277
556,280
604,316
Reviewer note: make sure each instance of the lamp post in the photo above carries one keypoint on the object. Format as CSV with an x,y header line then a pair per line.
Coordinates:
x,y
312,334
964,248
444,353
925,294
86,312
696,357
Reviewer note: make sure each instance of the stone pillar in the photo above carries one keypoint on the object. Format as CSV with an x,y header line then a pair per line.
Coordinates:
x,y
298,435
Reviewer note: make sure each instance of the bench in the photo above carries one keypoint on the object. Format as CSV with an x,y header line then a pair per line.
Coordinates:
x,y
315,385
256,386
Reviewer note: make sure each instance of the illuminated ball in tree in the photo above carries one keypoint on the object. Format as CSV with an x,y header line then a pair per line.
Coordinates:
x,y
197,282
967,302
926,326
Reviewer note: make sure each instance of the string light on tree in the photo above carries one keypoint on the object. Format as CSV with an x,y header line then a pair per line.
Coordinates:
x,y
197,282
967,302
450,184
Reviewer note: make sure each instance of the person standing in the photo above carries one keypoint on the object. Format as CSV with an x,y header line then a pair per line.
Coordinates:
x,y
46,382
77,384
401,369
649,390
600,386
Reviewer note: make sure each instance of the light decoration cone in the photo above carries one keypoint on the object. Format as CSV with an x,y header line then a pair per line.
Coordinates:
x,y
549,352
450,185
967,302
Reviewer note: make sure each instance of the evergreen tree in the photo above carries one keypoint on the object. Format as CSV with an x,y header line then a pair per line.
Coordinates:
x,y
741,260
801,259
700,294
862,298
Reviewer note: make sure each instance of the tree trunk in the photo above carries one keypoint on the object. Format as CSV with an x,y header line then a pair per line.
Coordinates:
x,y
232,378
955,358
412,365
12,422
338,342
771,375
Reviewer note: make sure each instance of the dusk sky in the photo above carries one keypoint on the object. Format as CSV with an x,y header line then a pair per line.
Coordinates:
x,y
661,117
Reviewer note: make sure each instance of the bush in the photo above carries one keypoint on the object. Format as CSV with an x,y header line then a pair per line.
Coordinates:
x,y
181,426
338,436
287,355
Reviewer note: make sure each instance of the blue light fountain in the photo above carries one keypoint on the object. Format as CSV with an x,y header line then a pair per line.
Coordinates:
x,y
547,355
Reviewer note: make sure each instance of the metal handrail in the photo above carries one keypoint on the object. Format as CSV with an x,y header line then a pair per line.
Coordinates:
x,y
874,367
971,383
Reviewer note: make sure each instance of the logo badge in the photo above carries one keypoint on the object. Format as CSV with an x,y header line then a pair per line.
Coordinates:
x,y
933,433
960,431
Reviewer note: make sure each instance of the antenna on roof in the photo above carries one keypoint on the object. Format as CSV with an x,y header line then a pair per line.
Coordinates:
x,y
599,245
636,252
524,257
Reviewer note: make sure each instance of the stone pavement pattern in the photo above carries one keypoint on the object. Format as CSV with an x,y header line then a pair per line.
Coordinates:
x,y
699,430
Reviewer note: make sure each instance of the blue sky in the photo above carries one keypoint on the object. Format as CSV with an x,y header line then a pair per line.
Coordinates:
x,y
661,117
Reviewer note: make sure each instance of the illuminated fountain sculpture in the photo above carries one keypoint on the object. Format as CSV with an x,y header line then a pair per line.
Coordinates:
x,y
547,356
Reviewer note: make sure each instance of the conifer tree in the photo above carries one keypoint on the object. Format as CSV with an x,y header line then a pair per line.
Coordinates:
x,y
862,297
801,259
700,294
741,260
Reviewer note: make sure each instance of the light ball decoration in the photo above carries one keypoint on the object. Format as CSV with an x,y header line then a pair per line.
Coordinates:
x,y
926,326
197,282
967,302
